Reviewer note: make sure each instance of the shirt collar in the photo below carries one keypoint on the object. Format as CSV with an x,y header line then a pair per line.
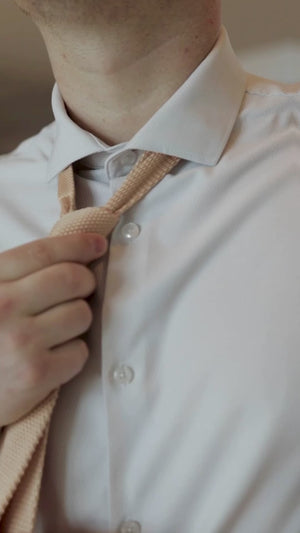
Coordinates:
x,y
194,124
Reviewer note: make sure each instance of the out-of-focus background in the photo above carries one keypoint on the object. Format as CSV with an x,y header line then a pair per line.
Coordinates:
x,y
265,35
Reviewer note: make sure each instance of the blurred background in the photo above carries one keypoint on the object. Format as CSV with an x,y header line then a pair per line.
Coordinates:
x,y
265,35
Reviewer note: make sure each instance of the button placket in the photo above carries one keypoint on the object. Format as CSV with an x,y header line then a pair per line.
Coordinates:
x,y
130,231
121,369
123,375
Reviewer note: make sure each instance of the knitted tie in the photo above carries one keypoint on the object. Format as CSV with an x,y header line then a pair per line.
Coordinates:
x,y
22,453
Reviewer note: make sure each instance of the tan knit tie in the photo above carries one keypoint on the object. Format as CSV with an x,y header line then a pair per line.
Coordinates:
x,y
23,448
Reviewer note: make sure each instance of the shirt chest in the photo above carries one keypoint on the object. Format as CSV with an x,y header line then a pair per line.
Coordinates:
x,y
193,357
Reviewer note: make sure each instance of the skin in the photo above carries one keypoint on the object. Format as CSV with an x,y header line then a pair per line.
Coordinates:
x,y
43,311
118,61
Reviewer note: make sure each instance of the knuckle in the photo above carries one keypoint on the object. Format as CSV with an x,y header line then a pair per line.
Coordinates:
x,y
85,241
21,336
83,349
91,279
82,354
7,304
34,373
42,253
86,311
73,276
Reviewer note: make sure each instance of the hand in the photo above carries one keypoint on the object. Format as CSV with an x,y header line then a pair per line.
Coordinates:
x,y
42,313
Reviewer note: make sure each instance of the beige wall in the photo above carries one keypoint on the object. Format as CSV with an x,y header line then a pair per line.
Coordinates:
x,y
264,34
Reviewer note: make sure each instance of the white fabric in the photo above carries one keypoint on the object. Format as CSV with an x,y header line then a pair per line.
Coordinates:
x,y
203,309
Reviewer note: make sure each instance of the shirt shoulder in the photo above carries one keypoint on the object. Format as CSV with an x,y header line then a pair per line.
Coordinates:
x,y
33,151
269,115
257,85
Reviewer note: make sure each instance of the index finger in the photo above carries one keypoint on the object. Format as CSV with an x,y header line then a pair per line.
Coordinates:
x,y
42,253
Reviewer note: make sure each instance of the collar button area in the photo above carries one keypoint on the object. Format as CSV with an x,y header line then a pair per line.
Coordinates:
x,y
118,165
130,231
123,375
130,527
128,158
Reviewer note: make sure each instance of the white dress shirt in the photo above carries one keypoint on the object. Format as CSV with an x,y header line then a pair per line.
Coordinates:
x,y
186,417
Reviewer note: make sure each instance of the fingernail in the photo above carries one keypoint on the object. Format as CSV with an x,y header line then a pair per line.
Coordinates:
x,y
100,244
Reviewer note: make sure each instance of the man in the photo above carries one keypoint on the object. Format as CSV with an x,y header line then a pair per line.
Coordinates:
x,y
184,417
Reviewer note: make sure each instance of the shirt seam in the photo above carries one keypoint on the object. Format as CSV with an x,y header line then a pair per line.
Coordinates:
x,y
261,93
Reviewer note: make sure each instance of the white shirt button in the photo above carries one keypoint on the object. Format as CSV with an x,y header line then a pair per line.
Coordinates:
x,y
130,231
123,375
129,158
130,527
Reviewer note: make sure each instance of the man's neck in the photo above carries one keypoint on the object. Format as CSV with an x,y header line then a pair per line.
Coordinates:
x,y
112,84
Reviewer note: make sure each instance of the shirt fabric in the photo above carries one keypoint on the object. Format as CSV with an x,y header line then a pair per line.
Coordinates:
x,y
186,417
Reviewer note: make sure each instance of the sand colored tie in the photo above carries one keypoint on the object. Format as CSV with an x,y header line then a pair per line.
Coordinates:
x,y
23,445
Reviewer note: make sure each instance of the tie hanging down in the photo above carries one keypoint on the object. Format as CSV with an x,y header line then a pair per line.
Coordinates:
x,y
24,443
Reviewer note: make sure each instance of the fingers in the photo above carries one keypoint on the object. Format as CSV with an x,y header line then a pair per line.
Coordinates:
x,y
37,255
49,287
63,323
